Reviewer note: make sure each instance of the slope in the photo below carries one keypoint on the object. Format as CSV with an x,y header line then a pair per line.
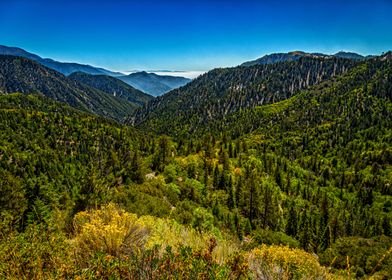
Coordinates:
x,y
224,91
19,74
112,86
311,171
65,68
154,84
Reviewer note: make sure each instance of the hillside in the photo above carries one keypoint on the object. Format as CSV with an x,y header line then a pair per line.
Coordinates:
x,y
65,68
221,92
18,74
112,86
154,84
310,172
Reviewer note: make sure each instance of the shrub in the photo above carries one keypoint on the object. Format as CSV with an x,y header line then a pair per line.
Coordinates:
x,y
281,262
37,253
108,230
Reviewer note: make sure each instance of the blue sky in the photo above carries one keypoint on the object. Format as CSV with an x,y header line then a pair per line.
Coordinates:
x,y
191,35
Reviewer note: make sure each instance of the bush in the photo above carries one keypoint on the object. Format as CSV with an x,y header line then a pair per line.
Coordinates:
x,y
282,262
108,230
37,253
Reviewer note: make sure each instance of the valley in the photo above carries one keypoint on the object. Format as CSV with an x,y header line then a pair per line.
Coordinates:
x,y
278,170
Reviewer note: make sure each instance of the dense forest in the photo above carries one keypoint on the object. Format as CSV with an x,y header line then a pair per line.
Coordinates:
x,y
222,92
279,171
22,75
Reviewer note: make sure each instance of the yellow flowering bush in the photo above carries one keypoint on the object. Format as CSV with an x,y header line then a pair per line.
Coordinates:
x,y
112,231
108,230
120,235
282,262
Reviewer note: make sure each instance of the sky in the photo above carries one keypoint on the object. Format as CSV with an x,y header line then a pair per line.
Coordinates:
x,y
191,35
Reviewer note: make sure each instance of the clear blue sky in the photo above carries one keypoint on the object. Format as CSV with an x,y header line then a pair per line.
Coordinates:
x,y
191,35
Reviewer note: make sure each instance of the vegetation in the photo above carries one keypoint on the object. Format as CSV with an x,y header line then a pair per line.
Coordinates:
x,y
111,243
22,75
222,92
112,86
300,190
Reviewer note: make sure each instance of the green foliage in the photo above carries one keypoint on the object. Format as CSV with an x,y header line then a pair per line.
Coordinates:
x,y
112,86
19,74
223,91
311,172
365,255
270,238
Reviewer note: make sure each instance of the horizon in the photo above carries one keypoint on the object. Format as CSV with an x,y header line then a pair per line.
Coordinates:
x,y
191,74
191,36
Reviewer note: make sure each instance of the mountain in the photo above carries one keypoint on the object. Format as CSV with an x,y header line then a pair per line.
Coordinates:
x,y
154,84
358,100
295,188
292,56
221,92
149,83
18,74
349,55
65,68
280,57
112,86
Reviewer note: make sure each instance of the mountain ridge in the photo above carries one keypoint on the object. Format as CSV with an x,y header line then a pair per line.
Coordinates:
x,y
65,68
295,55
113,86
223,91
19,74
149,83
152,83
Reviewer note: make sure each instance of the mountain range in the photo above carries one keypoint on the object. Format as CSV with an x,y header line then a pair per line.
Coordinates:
x,y
149,83
268,171
18,74
65,68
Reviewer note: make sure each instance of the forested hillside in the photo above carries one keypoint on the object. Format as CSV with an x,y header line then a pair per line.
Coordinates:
x,y
112,86
19,74
221,92
294,187
65,68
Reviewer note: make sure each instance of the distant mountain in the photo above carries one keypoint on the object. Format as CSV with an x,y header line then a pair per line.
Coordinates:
x,y
112,86
349,55
278,57
152,83
292,56
18,74
224,91
65,68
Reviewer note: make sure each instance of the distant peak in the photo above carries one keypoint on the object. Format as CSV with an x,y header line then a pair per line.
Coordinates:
x,y
349,55
297,53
